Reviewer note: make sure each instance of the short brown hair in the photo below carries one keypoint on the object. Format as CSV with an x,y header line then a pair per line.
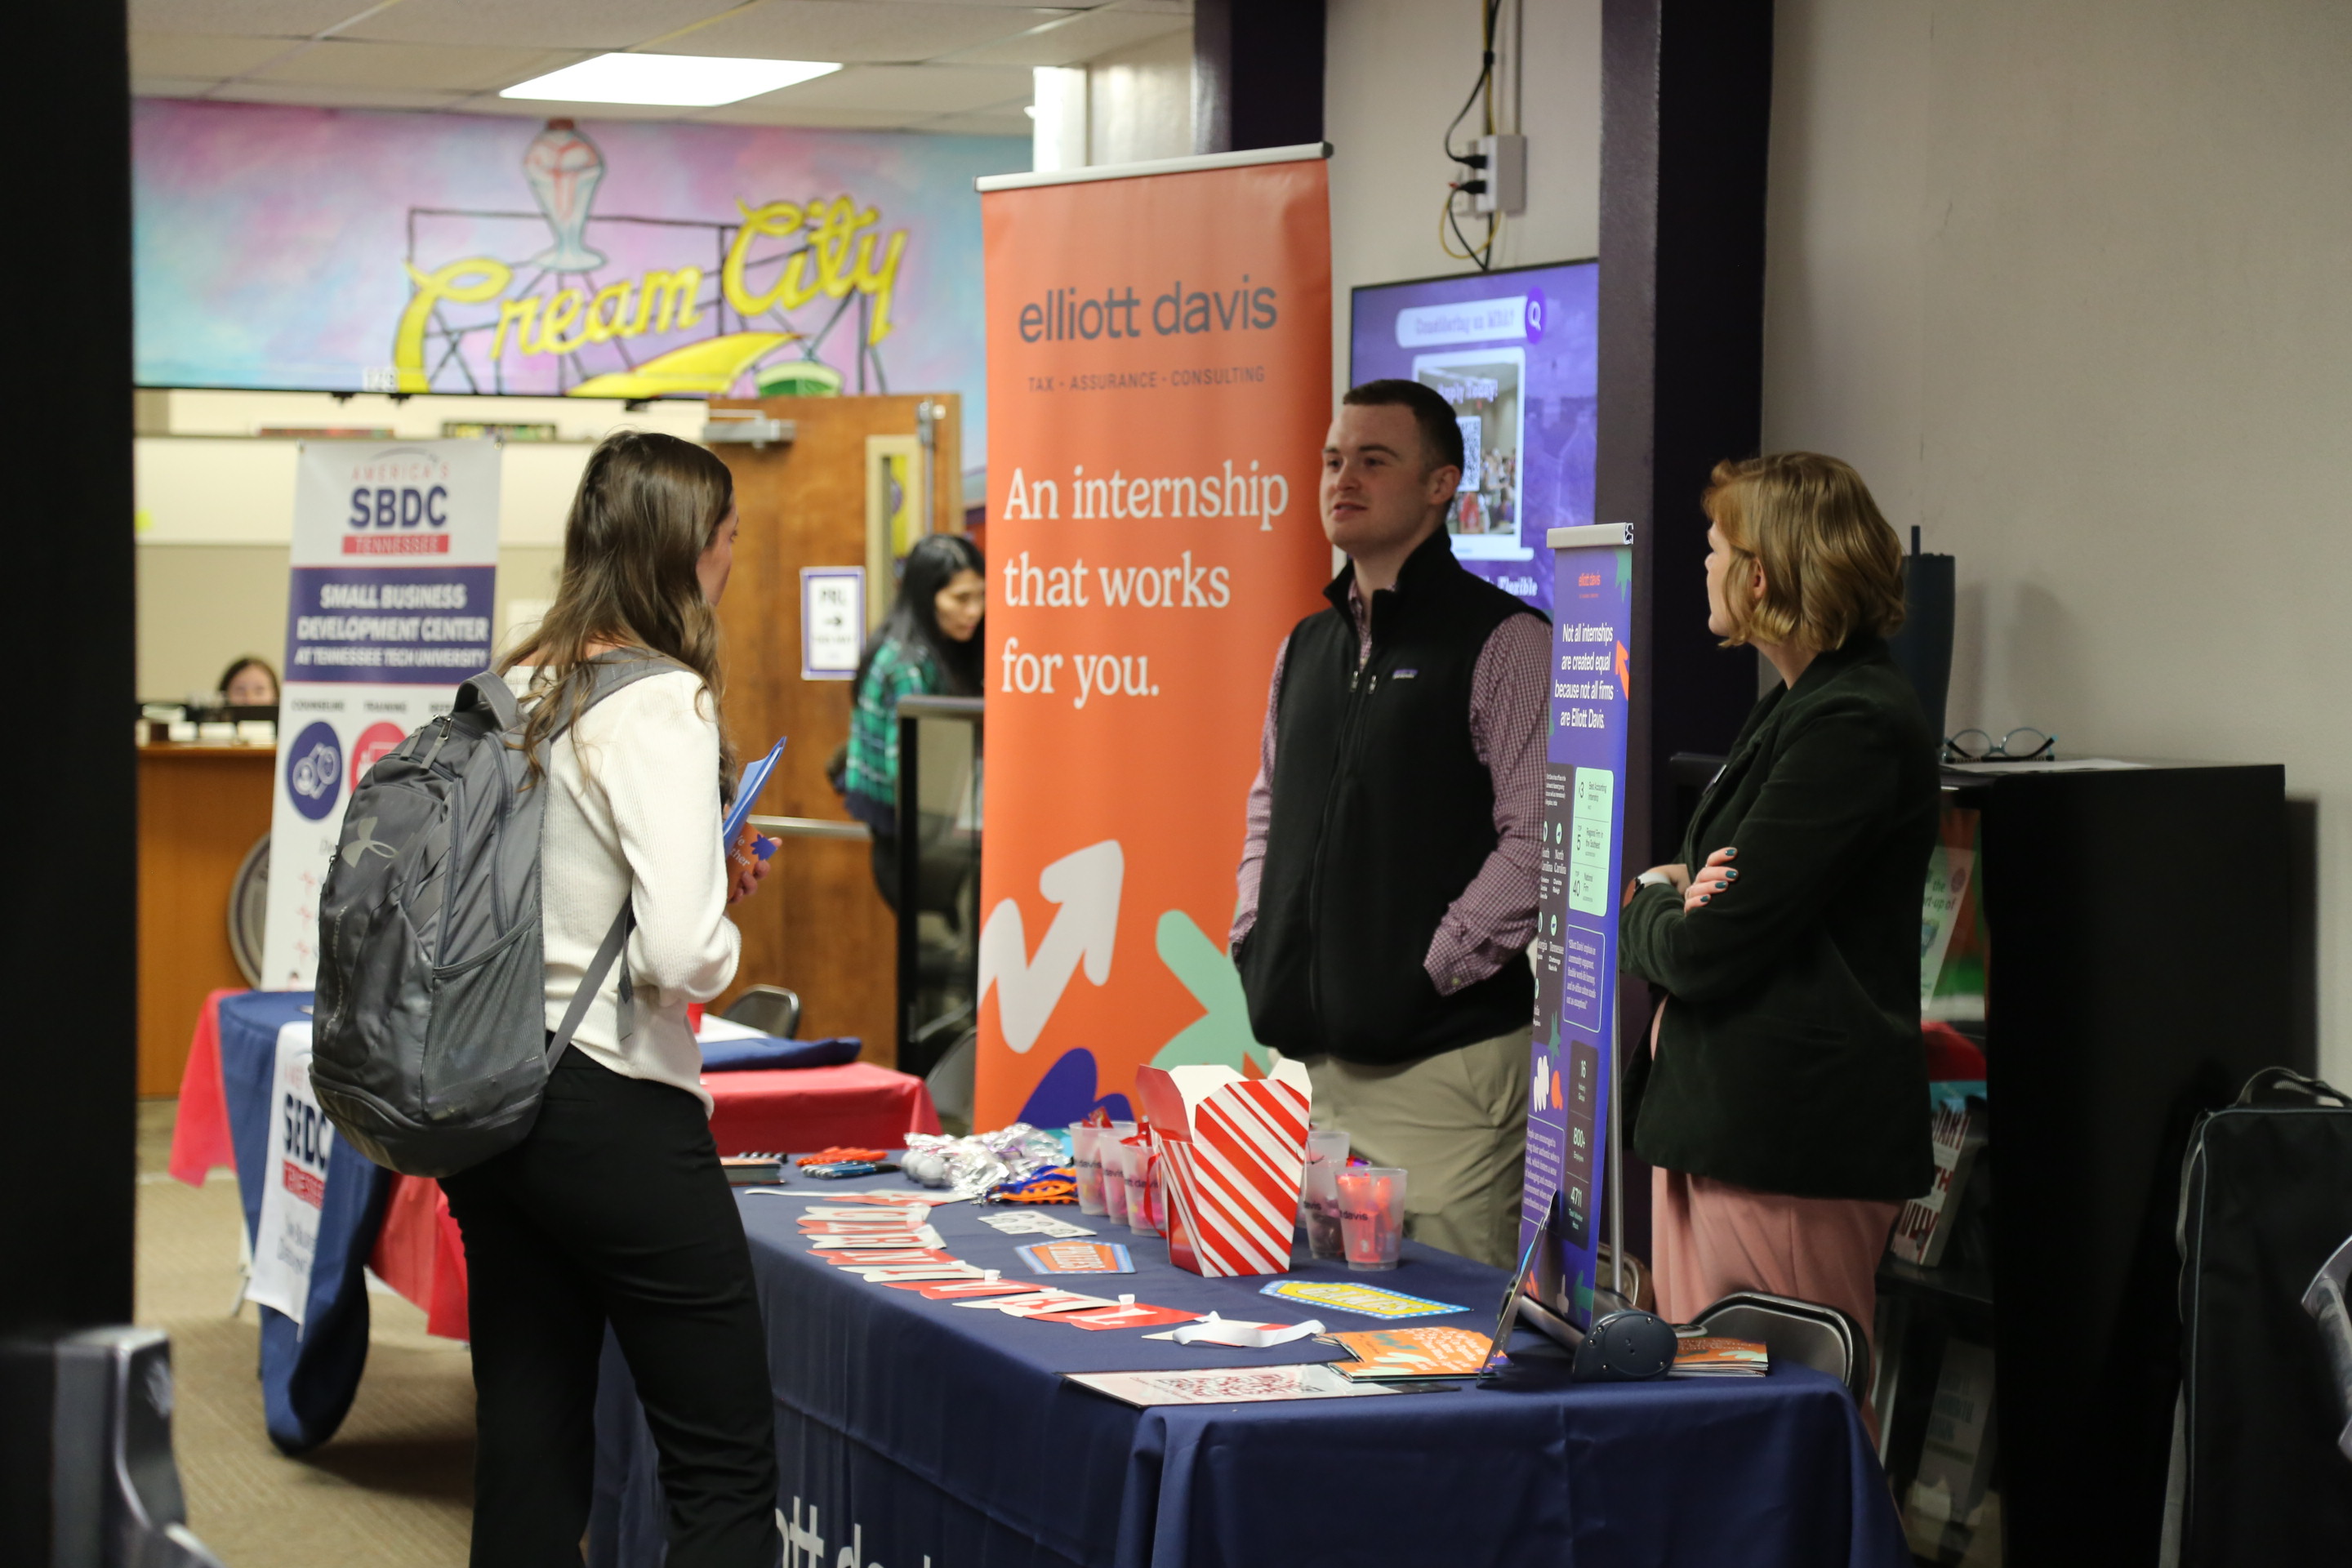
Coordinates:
x,y
1441,431
1832,567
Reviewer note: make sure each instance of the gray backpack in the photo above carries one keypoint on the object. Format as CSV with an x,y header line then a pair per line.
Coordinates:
x,y
431,1049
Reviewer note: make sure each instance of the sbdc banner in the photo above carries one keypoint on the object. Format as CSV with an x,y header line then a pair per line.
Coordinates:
x,y
1160,383
394,563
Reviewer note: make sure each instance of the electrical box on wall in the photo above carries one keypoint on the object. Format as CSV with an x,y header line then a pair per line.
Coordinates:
x,y
1505,175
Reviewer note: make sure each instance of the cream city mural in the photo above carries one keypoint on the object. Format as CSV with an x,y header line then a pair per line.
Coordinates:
x,y
344,250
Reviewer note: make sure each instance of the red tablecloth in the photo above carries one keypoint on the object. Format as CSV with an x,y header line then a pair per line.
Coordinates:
x,y
420,1253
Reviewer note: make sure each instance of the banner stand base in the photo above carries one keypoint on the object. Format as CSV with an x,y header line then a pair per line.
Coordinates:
x,y
1550,1324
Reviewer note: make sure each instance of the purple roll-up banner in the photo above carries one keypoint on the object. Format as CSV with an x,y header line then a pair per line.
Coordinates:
x,y
1573,1146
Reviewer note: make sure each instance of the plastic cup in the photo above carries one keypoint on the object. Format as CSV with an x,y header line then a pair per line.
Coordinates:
x,y
1371,1215
1085,1159
1141,1218
1113,1165
1318,1197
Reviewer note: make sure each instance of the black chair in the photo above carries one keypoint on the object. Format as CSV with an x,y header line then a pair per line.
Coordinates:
x,y
771,1009
951,1081
1805,1332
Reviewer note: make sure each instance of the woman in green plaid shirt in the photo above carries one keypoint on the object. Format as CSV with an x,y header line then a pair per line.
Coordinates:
x,y
929,645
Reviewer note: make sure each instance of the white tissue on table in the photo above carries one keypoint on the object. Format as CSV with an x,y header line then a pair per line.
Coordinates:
x,y
1215,1330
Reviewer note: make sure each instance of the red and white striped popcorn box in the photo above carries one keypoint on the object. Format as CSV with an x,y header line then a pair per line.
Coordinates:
x,y
1232,1153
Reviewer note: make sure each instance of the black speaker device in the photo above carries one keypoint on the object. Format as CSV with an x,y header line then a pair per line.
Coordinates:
x,y
1628,1346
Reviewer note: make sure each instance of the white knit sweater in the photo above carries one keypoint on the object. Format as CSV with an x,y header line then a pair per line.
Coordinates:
x,y
632,813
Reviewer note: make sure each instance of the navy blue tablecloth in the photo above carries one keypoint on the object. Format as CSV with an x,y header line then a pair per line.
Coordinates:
x,y
310,1370
911,1430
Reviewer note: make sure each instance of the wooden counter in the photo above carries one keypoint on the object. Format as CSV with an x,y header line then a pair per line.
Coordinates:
x,y
200,809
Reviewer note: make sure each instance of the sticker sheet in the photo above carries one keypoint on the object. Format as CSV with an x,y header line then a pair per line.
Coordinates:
x,y
1368,1299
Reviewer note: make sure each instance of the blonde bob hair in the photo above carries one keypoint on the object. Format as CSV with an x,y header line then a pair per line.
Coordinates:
x,y
1832,567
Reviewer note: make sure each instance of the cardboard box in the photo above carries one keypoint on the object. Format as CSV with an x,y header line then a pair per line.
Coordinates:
x,y
1232,1152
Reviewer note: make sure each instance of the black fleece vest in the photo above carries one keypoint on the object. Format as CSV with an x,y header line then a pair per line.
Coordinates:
x,y
1382,813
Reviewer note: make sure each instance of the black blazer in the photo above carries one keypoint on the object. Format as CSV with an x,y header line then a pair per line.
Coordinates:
x,y
1789,1060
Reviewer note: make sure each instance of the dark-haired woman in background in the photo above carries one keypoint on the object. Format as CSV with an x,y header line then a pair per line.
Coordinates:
x,y
1785,1106
930,645
250,683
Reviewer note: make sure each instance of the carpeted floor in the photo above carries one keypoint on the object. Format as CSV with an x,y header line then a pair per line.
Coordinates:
x,y
393,1490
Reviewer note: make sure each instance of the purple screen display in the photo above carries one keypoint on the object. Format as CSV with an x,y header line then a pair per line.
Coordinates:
x,y
1516,354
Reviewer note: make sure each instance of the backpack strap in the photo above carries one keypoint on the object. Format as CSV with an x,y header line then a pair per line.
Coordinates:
x,y
592,981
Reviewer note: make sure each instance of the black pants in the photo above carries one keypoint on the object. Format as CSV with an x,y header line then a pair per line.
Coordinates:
x,y
614,1209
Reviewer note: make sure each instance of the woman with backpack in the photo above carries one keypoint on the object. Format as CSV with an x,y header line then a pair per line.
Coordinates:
x,y
929,645
614,1209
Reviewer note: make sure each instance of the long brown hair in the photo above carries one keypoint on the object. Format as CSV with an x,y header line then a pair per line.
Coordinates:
x,y
648,506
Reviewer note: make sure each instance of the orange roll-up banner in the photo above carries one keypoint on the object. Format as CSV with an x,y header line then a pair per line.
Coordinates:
x,y
1158,387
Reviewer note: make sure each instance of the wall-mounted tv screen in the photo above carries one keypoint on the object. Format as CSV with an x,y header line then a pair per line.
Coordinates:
x,y
1516,354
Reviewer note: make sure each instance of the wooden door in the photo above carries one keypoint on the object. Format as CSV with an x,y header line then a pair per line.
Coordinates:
x,y
817,926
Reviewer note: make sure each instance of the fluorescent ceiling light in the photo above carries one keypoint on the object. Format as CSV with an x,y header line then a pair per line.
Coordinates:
x,y
695,82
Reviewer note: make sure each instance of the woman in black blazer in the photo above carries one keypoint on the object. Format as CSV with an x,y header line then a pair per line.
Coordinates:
x,y
1784,1098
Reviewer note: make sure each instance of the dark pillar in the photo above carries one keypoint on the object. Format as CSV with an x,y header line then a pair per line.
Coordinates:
x,y
67,1163
1257,74
1686,96
1685,109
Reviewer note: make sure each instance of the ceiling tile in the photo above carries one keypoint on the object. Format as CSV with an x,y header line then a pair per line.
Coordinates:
x,y
193,55
546,109
931,89
340,62
759,112
251,18
986,122
536,24
900,30
1078,39
321,95
172,87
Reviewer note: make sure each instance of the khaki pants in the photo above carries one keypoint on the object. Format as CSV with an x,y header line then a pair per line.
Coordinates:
x,y
1457,1122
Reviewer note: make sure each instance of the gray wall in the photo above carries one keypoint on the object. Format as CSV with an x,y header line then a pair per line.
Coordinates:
x,y
201,606
2071,282
1394,72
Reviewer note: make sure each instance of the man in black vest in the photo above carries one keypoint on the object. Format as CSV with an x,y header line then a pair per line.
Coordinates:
x,y
1388,884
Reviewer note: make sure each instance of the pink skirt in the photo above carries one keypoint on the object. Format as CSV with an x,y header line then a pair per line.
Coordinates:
x,y
1710,1239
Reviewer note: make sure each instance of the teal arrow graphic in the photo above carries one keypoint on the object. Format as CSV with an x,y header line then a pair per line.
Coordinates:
x,y
1221,1037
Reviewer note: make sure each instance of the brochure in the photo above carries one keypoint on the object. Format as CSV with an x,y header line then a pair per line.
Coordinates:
x,y
1405,1356
1370,1300
1224,1385
1041,1302
927,1237
895,1257
1703,1356
960,1290
1127,1314
1077,1258
1030,1223
755,779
